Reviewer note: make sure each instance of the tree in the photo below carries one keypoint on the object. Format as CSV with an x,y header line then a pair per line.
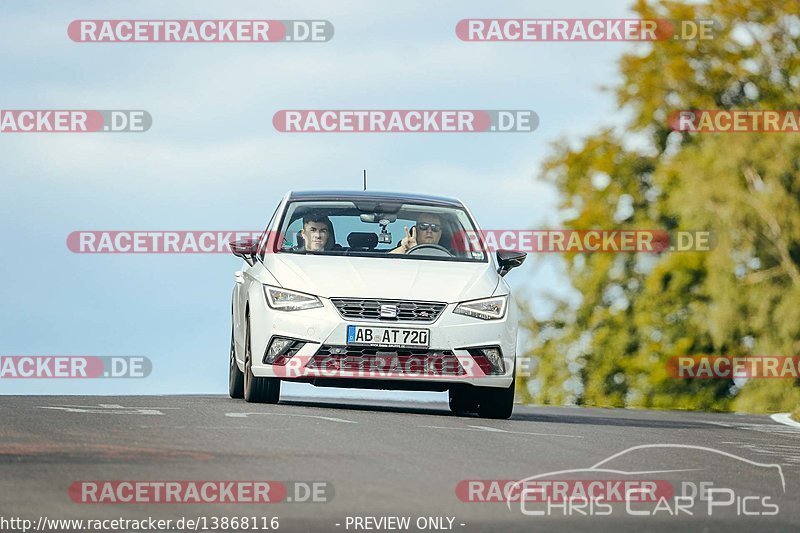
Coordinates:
x,y
742,297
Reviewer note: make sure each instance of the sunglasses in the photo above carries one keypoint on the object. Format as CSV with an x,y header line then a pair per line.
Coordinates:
x,y
436,228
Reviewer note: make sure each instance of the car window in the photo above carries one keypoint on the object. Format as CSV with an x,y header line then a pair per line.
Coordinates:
x,y
359,230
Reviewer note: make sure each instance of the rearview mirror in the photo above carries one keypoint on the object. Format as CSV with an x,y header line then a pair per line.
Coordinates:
x,y
508,259
377,217
246,249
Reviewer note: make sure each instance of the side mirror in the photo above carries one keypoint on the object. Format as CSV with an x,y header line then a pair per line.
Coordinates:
x,y
246,249
508,259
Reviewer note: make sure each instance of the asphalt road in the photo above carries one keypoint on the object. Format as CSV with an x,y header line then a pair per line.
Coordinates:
x,y
382,459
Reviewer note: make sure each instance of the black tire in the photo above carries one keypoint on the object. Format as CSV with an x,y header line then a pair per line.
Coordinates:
x,y
463,400
235,376
497,403
257,390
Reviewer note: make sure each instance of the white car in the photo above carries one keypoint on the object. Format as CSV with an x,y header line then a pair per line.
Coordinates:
x,y
374,290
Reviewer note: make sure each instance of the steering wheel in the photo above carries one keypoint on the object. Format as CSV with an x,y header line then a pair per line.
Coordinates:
x,y
427,248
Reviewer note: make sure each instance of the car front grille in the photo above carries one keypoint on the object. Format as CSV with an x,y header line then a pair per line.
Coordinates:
x,y
411,361
370,309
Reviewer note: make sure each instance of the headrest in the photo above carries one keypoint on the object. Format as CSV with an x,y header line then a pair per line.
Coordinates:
x,y
358,239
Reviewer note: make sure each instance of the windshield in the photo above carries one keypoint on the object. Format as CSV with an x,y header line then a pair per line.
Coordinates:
x,y
397,230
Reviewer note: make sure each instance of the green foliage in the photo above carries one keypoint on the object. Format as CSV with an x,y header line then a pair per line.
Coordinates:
x,y
742,297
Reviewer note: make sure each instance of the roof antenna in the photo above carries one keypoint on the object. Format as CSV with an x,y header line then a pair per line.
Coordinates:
x,y
365,179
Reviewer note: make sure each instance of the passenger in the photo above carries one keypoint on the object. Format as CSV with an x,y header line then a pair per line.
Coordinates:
x,y
317,233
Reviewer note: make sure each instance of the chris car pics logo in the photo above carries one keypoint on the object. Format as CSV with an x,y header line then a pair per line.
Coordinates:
x,y
692,481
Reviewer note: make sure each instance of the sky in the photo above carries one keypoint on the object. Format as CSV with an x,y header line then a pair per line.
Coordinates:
x,y
212,160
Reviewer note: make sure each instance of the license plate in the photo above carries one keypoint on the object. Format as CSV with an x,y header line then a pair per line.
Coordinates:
x,y
388,337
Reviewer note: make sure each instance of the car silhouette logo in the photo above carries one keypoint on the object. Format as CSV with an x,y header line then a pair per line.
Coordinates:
x,y
388,311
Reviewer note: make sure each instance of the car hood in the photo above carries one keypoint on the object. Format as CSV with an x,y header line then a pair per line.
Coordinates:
x,y
390,278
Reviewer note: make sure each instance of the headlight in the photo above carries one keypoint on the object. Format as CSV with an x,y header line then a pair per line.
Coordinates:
x,y
286,300
486,309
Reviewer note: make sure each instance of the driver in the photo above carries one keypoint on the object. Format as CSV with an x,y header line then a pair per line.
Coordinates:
x,y
428,230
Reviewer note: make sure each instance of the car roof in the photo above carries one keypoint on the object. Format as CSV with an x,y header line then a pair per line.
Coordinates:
x,y
377,196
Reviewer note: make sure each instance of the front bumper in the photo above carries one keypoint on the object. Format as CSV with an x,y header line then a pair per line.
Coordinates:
x,y
451,335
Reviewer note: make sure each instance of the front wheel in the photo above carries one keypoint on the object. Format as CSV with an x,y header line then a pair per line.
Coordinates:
x,y
257,390
497,403
463,400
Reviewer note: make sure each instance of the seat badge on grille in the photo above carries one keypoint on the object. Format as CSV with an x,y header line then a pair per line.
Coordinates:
x,y
388,311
